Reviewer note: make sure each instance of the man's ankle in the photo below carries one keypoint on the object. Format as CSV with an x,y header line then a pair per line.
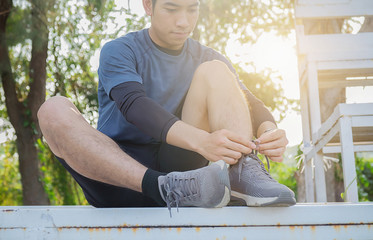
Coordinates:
x,y
150,186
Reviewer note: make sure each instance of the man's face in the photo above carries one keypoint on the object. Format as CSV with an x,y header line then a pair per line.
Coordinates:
x,y
172,21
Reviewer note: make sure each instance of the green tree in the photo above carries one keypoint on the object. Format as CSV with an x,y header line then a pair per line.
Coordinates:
x,y
45,49
220,20
23,98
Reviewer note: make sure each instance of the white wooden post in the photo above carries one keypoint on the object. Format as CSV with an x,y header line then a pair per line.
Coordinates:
x,y
331,59
313,98
310,192
348,160
308,166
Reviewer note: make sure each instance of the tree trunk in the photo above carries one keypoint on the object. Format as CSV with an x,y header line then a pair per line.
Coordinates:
x,y
32,186
22,114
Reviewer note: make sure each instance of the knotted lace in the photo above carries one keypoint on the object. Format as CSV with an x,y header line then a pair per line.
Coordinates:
x,y
254,156
177,189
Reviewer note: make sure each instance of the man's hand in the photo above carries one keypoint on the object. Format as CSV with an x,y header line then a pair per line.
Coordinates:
x,y
224,145
219,145
273,144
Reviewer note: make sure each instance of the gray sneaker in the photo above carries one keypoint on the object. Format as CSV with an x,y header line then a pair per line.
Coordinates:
x,y
206,187
251,182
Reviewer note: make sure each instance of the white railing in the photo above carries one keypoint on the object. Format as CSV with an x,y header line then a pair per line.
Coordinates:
x,y
302,221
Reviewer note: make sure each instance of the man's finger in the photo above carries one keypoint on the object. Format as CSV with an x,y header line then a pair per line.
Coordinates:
x,y
278,152
272,135
241,140
230,161
238,148
232,154
273,145
277,159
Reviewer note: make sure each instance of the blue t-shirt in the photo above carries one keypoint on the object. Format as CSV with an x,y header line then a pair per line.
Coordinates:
x,y
166,79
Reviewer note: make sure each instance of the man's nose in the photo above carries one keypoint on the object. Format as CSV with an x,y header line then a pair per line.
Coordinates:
x,y
182,19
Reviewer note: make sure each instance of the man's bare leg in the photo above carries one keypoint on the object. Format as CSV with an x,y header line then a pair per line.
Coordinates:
x,y
215,101
86,150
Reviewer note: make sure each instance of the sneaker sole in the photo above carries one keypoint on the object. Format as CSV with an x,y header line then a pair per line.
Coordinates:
x,y
224,178
225,200
284,200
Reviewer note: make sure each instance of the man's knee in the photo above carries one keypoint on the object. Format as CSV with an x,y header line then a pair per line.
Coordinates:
x,y
215,70
53,109
212,66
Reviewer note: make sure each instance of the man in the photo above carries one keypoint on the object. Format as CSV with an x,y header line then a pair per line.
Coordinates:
x,y
168,106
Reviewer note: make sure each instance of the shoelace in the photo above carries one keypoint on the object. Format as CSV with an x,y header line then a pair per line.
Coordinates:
x,y
257,158
253,156
178,188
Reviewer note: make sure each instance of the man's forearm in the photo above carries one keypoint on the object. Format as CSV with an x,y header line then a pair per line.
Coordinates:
x,y
185,136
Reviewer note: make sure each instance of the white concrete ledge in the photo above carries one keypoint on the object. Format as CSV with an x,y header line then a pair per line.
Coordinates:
x,y
303,221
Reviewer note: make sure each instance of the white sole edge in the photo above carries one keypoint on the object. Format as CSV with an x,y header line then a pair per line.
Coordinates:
x,y
227,194
225,200
253,201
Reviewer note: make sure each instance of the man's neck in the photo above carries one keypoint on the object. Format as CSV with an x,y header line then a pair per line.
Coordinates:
x,y
168,51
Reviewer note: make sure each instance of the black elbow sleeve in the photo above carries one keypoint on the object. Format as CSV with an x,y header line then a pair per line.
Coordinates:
x,y
141,111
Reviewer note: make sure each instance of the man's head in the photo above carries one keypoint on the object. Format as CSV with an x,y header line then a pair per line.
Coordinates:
x,y
172,21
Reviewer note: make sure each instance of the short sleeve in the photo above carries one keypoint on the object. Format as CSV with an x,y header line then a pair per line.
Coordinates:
x,y
117,65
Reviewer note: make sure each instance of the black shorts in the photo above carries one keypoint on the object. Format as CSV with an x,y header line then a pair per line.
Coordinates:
x,y
160,157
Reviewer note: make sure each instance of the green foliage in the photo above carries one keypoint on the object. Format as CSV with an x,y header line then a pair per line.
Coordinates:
x,y
263,86
10,186
364,171
61,188
220,19
18,21
364,176
77,32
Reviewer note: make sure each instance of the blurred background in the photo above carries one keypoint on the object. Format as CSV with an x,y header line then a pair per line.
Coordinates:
x,y
50,48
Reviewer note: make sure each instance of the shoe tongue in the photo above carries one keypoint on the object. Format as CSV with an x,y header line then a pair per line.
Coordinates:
x,y
250,159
